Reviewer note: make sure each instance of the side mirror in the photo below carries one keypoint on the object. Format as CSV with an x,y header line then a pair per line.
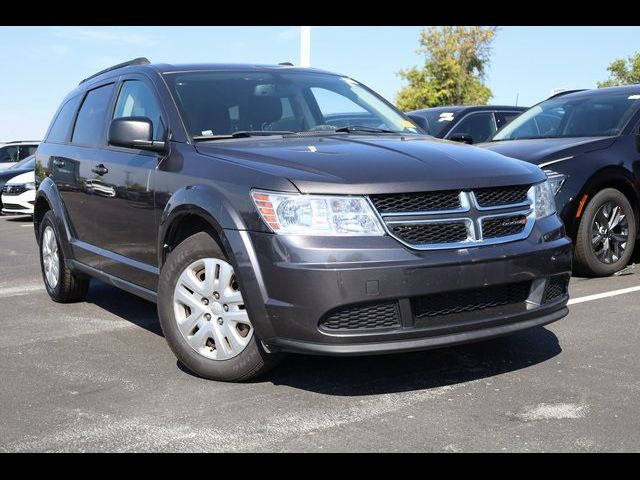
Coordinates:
x,y
461,137
134,132
420,121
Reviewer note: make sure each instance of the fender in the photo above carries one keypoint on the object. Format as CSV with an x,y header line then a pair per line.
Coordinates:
x,y
48,191
204,201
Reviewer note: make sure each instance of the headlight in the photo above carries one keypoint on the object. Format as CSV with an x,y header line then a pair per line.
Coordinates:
x,y
556,180
295,214
30,186
545,201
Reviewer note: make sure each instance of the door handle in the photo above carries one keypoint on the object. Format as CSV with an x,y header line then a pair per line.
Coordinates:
x,y
100,169
58,163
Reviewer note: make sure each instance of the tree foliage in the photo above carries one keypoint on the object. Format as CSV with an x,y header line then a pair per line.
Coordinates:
x,y
454,70
623,72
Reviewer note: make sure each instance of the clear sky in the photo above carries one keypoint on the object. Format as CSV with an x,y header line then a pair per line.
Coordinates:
x,y
42,64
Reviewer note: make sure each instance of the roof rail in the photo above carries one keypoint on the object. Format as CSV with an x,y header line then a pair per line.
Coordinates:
x,y
135,61
565,92
286,64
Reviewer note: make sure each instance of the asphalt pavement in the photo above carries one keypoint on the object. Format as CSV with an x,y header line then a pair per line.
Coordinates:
x,y
98,376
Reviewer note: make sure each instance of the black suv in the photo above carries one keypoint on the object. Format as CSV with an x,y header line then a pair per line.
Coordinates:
x,y
588,143
467,124
221,193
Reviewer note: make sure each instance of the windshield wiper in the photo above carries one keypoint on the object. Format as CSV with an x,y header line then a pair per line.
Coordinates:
x,y
243,134
360,128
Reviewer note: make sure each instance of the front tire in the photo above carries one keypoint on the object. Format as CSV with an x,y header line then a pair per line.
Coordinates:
x,y
203,317
62,285
606,235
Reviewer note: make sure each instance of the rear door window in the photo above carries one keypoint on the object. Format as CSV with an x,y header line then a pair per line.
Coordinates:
x,y
90,125
9,154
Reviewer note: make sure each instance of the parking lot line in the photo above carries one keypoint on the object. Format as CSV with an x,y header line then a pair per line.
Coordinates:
x,y
14,291
597,296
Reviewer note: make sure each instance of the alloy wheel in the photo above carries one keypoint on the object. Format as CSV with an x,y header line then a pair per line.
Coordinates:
x,y
609,232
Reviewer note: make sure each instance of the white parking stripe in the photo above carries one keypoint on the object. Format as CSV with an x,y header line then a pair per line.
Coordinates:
x,y
598,296
15,291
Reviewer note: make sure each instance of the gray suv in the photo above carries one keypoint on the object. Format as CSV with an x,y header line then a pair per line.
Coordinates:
x,y
228,195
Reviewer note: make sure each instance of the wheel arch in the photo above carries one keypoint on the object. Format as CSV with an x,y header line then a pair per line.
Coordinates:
x,y
48,199
193,209
608,177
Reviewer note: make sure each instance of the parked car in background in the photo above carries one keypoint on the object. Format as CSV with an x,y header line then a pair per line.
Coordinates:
x,y
12,152
258,227
19,194
589,145
23,166
464,124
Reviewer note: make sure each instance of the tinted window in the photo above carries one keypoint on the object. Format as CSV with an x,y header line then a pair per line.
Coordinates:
x,y
27,150
136,99
574,115
90,125
479,126
502,118
9,154
59,131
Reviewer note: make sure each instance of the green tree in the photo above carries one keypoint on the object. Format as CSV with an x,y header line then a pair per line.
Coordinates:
x,y
454,70
623,72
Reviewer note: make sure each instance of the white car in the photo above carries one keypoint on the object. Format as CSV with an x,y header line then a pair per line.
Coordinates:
x,y
19,195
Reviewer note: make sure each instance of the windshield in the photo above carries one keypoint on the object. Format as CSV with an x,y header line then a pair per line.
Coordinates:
x,y
581,116
29,162
222,103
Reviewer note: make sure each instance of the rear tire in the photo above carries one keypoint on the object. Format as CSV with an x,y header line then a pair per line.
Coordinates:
x,y
607,221
62,285
202,314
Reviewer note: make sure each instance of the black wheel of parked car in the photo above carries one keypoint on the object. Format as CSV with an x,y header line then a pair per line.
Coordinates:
x,y
606,235
61,283
203,316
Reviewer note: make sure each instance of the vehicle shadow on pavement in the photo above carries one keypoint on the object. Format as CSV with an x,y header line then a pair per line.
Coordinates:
x,y
125,305
371,375
19,219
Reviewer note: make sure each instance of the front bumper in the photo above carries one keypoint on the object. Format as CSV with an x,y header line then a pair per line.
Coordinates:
x,y
293,284
19,204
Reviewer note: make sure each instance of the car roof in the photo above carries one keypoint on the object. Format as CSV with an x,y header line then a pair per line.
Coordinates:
x,y
142,65
469,108
623,90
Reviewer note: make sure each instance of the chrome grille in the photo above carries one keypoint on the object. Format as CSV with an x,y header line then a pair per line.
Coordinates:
x,y
432,220
502,226
432,232
417,202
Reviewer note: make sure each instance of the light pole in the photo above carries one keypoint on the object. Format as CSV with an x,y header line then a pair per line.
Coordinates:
x,y
305,46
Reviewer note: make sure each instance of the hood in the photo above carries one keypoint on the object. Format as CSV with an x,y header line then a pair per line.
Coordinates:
x,y
11,173
22,178
540,150
361,164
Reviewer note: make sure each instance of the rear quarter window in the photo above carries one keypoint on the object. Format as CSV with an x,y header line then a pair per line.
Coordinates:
x,y
61,126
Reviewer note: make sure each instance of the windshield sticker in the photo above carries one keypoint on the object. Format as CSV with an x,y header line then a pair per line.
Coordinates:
x,y
446,117
207,132
634,97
